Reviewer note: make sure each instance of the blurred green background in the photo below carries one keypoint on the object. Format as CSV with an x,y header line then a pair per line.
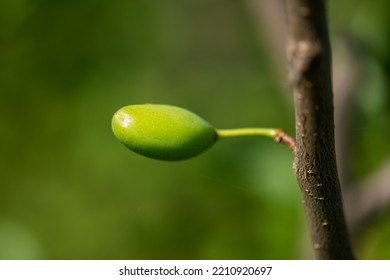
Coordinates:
x,y
69,190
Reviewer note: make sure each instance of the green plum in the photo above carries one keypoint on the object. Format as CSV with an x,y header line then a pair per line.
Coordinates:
x,y
162,131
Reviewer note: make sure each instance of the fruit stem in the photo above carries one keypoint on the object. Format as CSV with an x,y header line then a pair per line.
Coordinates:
x,y
239,132
278,135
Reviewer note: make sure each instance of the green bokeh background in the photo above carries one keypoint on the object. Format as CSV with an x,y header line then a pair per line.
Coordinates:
x,y
69,190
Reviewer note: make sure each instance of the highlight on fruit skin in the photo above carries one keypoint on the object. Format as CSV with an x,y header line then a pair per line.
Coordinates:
x,y
163,132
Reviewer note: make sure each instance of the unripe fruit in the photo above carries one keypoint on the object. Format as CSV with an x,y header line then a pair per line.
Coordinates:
x,y
162,132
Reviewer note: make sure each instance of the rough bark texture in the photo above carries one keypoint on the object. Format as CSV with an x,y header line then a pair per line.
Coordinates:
x,y
315,162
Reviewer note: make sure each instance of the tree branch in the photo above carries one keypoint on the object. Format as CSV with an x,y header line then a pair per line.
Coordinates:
x,y
315,162
369,199
347,74
364,200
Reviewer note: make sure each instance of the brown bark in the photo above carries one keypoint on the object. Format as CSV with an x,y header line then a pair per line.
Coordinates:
x,y
309,59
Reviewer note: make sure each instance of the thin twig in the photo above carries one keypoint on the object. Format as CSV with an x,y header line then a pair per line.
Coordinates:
x,y
284,138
